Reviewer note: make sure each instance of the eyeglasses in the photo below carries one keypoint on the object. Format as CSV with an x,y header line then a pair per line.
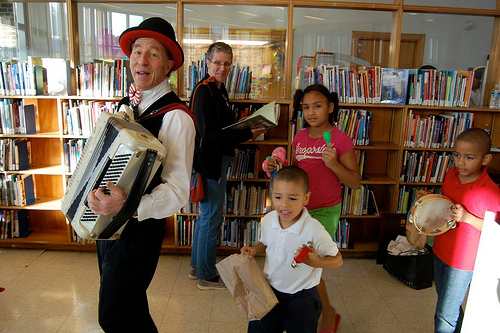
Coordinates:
x,y
218,63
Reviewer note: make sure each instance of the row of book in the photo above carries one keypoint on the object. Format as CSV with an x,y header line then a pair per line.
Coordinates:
x,y
81,116
356,124
16,117
238,232
247,199
15,154
341,237
14,223
73,149
440,87
360,201
234,232
185,229
195,72
190,208
35,76
238,82
244,164
103,78
408,195
22,77
435,131
373,84
17,190
425,166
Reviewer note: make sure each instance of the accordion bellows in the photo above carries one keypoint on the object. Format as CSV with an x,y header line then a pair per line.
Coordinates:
x,y
118,150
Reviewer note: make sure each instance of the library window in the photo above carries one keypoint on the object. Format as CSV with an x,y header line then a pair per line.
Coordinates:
x,y
476,4
25,32
451,42
100,26
327,36
256,33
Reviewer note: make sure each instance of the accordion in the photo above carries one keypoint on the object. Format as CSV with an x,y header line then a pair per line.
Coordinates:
x,y
118,150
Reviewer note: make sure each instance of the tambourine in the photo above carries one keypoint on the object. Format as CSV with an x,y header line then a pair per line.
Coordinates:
x,y
431,214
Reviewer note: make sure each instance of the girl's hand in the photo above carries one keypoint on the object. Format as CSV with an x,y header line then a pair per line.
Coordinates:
x,y
330,157
250,250
272,164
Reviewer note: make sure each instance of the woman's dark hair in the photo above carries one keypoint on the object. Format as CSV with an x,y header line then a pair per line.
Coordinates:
x,y
332,97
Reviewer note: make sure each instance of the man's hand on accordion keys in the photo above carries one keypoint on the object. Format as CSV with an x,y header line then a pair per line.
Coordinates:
x,y
106,201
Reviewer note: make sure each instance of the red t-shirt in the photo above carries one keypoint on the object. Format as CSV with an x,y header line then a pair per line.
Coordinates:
x,y
323,183
458,247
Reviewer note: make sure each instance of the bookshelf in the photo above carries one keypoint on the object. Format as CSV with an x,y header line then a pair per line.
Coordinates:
x,y
383,156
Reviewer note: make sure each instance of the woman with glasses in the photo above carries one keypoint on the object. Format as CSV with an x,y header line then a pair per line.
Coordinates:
x,y
214,149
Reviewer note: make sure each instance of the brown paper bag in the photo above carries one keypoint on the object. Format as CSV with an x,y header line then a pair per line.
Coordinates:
x,y
412,234
248,285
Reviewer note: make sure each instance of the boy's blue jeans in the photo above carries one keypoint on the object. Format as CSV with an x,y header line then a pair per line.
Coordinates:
x,y
451,287
207,226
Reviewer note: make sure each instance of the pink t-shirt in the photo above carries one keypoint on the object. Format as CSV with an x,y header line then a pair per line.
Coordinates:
x,y
458,247
323,183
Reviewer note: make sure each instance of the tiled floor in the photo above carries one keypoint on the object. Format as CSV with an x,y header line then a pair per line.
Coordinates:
x,y
56,291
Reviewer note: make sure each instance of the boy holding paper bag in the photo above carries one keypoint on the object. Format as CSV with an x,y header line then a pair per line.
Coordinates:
x,y
285,230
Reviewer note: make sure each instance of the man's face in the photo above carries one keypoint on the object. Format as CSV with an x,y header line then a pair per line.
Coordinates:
x,y
149,63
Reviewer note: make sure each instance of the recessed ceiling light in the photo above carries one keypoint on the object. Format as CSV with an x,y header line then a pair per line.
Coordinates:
x,y
257,23
246,13
314,18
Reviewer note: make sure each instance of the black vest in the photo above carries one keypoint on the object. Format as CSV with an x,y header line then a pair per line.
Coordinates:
x,y
153,125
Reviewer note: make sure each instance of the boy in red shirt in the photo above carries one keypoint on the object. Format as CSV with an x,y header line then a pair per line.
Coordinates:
x,y
468,185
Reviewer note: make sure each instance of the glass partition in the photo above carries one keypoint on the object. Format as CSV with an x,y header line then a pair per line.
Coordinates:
x,y
257,35
451,42
337,37
101,24
476,4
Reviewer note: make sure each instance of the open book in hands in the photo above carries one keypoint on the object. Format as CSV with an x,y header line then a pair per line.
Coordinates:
x,y
267,116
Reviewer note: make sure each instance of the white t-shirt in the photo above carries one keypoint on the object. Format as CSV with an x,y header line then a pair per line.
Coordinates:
x,y
281,246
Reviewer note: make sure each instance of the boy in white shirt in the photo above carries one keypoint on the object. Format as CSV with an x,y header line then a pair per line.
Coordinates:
x,y
284,230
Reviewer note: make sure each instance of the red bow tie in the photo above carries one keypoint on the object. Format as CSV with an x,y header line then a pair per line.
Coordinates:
x,y
134,95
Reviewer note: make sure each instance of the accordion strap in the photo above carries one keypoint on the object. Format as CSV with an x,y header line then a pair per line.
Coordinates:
x,y
170,107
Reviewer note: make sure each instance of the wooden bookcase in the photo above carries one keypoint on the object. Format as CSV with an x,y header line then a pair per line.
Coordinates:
x,y
384,155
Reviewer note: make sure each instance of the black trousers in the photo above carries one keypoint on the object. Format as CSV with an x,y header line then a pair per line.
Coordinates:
x,y
127,266
295,313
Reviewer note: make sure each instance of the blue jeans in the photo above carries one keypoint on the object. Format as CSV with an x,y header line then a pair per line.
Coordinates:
x,y
451,287
207,226
295,313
